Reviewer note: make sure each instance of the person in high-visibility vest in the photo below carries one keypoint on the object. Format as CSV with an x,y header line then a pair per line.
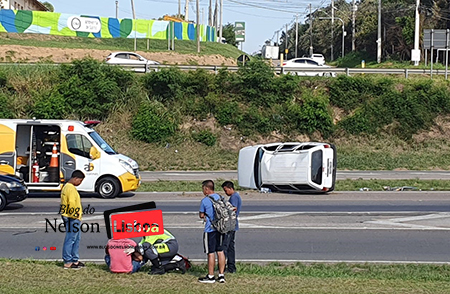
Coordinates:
x,y
160,250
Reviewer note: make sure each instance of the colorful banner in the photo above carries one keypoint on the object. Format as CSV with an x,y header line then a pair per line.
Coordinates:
x,y
60,24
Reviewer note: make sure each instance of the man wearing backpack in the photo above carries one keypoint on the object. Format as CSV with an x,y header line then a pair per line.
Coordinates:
x,y
229,244
212,239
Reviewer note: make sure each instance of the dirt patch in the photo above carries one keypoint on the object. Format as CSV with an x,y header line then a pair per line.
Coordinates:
x,y
16,53
440,130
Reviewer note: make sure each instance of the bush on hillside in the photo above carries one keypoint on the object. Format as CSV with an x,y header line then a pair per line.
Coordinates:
x,y
166,85
205,136
91,88
153,123
50,106
5,106
255,85
401,112
310,113
350,92
3,79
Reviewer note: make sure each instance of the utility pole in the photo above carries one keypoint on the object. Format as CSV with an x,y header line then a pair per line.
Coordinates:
x,y
332,29
286,50
379,33
210,16
198,26
220,26
117,9
354,8
296,34
311,51
416,57
134,24
186,11
216,18
179,8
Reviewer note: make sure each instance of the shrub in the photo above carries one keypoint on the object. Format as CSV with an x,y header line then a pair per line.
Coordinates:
x,y
198,82
310,113
205,136
255,83
166,85
50,106
5,106
92,88
350,92
153,123
228,112
257,120
3,79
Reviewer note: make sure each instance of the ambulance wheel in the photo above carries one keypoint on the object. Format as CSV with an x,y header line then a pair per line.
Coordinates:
x,y
108,187
2,202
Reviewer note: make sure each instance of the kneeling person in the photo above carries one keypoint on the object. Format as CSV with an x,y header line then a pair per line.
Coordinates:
x,y
123,256
161,250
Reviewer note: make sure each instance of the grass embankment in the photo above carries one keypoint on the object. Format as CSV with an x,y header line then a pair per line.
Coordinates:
x,y
31,277
117,44
342,185
49,277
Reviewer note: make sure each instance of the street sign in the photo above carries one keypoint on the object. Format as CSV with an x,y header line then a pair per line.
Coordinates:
x,y
239,31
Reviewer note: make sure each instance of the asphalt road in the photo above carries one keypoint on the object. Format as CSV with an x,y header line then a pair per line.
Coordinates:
x,y
148,176
342,226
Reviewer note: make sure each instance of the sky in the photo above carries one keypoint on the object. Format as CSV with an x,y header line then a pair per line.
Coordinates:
x,y
263,18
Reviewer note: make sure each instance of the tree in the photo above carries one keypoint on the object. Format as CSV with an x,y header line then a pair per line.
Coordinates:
x,y
228,34
49,6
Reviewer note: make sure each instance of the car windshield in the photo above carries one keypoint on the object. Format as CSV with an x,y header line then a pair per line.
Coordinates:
x,y
102,143
316,167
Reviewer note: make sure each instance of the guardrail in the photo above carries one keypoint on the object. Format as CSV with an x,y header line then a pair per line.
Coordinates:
x,y
277,69
338,70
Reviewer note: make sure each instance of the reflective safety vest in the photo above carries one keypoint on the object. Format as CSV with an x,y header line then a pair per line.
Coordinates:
x,y
159,241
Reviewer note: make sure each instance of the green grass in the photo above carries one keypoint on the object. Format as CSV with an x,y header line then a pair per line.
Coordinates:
x,y
28,276
341,185
117,44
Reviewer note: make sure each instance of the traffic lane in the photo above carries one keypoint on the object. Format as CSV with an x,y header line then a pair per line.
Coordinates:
x,y
151,176
351,202
263,244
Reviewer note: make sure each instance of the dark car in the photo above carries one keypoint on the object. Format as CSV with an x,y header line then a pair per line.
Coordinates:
x,y
12,190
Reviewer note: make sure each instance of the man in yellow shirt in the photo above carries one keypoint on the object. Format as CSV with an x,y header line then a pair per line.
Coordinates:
x,y
71,211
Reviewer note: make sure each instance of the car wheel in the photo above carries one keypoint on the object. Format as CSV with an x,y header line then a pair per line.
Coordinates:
x,y
108,187
327,74
2,202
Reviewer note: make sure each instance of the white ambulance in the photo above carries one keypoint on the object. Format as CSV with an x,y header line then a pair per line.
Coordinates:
x,y
288,167
45,153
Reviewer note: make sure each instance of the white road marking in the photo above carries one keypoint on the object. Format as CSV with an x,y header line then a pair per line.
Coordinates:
x,y
401,221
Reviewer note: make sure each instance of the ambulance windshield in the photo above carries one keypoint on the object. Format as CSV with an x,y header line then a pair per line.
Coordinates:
x,y
102,143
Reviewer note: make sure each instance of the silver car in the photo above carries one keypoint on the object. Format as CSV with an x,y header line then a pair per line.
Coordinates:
x,y
295,66
130,60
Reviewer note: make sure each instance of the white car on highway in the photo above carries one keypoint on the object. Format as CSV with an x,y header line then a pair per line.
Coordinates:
x,y
130,60
295,66
288,167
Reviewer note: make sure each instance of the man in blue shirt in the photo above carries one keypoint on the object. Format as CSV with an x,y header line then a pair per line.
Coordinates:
x,y
229,244
212,240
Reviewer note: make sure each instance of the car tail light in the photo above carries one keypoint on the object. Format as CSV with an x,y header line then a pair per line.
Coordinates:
x,y
108,58
325,189
326,146
284,63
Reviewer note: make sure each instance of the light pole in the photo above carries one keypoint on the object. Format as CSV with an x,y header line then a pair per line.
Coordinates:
x,y
343,31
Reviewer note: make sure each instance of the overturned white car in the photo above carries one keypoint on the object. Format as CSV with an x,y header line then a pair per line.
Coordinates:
x,y
288,167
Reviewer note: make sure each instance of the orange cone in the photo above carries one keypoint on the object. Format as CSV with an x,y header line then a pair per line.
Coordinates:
x,y
54,160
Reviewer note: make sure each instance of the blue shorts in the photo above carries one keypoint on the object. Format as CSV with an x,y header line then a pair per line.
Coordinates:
x,y
212,242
